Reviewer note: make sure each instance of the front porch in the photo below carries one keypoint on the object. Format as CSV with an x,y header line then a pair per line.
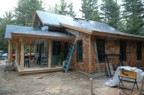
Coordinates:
x,y
39,53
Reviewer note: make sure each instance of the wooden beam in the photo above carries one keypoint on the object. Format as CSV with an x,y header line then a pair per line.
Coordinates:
x,y
39,70
17,51
22,55
19,35
9,51
29,52
49,53
104,34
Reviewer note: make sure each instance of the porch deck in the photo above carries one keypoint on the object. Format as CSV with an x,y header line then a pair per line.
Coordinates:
x,y
38,70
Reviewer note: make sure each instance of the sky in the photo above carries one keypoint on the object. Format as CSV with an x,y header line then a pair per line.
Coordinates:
x,y
7,5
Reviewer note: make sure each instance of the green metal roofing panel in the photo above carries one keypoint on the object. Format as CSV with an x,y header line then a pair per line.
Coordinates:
x,y
56,20
34,31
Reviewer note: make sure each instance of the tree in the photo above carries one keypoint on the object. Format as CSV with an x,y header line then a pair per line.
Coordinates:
x,y
71,11
25,11
89,9
8,19
133,15
1,20
110,13
64,8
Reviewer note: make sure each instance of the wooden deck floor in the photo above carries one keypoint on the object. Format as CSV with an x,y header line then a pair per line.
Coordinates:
x,y
38,70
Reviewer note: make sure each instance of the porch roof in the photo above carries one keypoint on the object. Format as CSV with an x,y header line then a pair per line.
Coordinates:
x,y
30,31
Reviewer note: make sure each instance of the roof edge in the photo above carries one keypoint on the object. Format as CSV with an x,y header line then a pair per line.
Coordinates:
x,y
76,28
116,35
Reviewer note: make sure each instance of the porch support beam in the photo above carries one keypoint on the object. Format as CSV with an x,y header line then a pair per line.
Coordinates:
x,y
18,53
9,51
22,55
49,53
29,52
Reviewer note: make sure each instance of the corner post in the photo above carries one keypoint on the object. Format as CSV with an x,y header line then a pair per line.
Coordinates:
x,y
49,53
22,54
9,51
17,53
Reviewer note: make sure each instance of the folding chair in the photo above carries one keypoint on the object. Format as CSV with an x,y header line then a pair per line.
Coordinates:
x,y
127,76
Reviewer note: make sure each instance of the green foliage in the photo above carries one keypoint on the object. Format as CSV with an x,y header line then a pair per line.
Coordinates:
x,y
64,8
110,13
71,11
24,12
90,10
8,19
1,20
133,15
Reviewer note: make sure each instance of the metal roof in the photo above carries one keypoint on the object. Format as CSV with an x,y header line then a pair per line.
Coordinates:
x,y
56,20
33,31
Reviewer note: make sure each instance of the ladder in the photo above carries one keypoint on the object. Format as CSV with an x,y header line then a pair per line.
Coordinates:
x,y
68,59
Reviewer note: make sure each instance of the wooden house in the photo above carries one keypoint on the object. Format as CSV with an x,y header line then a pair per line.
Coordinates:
x,y
52,34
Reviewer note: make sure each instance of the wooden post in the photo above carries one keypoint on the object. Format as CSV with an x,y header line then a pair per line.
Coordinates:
x,y
22,55
29,52
49,53
91,85
9,51
17,51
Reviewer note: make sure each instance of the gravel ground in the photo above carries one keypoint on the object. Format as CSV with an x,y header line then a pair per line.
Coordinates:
x,y
56,83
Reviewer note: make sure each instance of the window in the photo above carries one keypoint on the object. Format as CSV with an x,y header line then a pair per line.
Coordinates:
x,y
56,48
123,50
65,49
79,51
101,50
42,47
139,51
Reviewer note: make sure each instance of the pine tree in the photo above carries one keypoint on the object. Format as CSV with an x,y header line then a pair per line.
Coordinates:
x,y
8,19
133,15
89,9
110,13
71,11
64,8
24,12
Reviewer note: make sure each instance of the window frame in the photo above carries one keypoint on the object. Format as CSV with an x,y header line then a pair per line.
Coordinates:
x,y
79,54
123,50
101,57
139,51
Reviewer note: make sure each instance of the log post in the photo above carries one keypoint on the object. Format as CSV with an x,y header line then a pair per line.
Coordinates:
x,y
29,52
49,53
22,55
17,51
9,51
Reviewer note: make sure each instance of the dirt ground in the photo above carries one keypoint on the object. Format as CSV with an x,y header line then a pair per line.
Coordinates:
x,y
56,83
